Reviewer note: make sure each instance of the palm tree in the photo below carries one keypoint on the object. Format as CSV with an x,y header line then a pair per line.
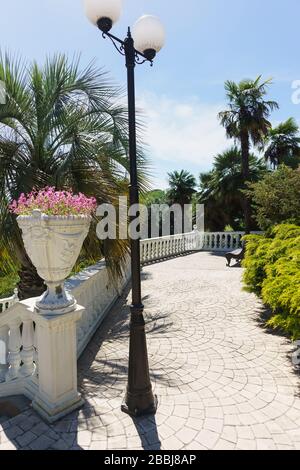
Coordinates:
x,y
221,188
246,120
182,188
283,144
62,127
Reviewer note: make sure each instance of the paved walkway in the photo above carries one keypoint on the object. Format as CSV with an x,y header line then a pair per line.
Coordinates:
x,y
223,382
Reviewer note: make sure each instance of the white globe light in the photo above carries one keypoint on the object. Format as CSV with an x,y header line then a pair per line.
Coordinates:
x,y
97,9
148,34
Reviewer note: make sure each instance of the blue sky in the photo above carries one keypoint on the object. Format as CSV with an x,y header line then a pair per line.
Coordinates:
x,y
207,42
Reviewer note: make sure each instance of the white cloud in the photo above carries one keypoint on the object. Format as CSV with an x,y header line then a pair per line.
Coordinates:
x,y
185,134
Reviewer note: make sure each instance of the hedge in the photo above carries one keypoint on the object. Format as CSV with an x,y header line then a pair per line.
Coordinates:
x,y
272,270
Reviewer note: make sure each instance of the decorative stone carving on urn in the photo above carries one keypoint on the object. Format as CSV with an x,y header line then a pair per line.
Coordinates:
x,y
53,244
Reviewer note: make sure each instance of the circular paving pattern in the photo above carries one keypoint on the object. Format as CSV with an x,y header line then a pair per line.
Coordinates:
x,y
222,381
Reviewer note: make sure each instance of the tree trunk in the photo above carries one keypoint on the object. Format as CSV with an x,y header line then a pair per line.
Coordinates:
x,y
245,148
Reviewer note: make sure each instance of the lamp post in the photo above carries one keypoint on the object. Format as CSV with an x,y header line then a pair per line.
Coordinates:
x,y
141,46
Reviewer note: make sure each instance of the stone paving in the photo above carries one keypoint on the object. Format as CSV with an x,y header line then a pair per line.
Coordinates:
x,y
222,380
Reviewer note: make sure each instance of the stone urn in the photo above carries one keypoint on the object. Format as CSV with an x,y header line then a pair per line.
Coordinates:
x,y
53,244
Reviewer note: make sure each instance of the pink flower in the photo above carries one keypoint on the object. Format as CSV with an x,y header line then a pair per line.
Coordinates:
x,y
52,202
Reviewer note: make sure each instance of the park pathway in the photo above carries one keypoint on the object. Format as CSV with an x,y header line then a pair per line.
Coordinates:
x,y
222,380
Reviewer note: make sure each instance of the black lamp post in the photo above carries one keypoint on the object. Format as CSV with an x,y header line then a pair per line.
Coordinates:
x,y
147,40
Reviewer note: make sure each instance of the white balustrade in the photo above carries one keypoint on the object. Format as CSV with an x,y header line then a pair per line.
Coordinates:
x,y
17,358
9,301
155,249
223,241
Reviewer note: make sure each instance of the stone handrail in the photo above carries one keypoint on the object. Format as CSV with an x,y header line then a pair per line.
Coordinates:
x,y
223,241
9,301
18,351
154,249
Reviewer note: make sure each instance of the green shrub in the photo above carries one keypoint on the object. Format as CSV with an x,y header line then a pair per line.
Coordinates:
x,y
276,198
7,285
255,262
272,270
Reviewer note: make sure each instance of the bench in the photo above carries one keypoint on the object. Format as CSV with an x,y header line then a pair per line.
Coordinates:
x,y
237,255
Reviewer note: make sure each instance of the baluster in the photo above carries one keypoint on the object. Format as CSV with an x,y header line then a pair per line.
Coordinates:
x,y
14,355
3,352
218,241
147,251
35,351
209,244
28,350
224,242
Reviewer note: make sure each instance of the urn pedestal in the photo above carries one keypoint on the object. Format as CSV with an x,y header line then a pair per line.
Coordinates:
x,y
53,244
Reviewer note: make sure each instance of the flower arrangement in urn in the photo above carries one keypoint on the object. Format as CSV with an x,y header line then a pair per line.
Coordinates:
x,y
54,226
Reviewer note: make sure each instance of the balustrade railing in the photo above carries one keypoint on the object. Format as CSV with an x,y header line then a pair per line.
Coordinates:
x,y
18,351
154,249
9,301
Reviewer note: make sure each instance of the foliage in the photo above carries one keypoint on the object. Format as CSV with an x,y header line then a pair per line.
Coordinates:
x,y
157,196
283,144
8,284
247,111
272,270
276,197
182,187
221,189
63,127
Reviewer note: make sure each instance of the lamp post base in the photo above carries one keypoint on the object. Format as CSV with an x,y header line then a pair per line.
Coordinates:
x,y
130,407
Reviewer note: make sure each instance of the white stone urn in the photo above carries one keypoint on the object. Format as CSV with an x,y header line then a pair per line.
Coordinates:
x,y
53,244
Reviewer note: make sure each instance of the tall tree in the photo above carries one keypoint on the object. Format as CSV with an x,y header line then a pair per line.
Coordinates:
x,y
247,120
283,144
182,186
64,127
221,189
